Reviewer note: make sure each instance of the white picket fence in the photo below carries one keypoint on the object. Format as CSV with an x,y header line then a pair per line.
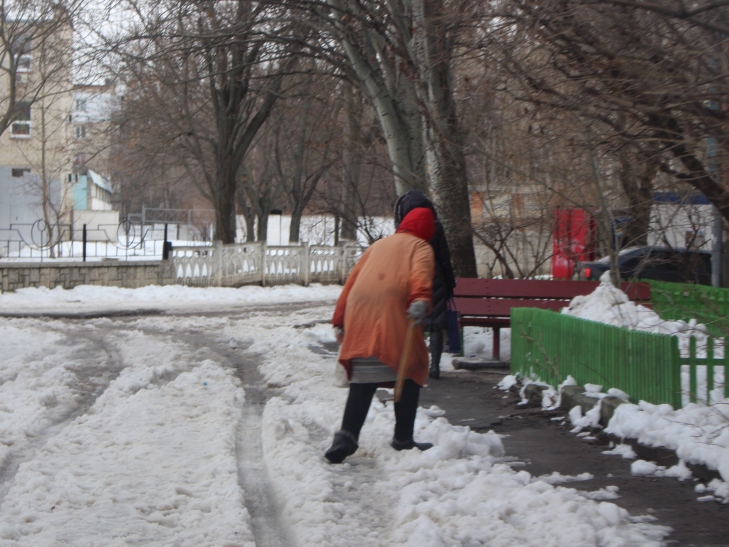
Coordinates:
x,y
243,263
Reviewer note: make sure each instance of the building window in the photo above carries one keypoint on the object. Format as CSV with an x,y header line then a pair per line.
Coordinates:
x,y
80,131
23,50
21,125
19,172
81,105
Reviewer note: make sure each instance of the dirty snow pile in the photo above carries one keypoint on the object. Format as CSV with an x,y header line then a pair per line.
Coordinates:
x,y
699,434
608,304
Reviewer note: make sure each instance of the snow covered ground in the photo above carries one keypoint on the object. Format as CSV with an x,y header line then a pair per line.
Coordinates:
x,y
174,428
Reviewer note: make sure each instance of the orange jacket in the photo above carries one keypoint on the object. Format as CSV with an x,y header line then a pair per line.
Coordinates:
x,y
373,305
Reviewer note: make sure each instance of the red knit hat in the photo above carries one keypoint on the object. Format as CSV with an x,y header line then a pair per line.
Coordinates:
x,y
419,222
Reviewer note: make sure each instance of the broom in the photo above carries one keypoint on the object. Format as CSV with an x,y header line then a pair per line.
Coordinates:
x,y
404,360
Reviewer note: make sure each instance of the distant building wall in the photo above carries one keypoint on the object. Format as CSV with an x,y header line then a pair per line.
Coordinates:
x,y
681,225
100,225
17,204
20,207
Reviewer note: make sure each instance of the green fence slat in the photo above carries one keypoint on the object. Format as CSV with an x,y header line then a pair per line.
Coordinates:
x,y
692,370
726,371
709,368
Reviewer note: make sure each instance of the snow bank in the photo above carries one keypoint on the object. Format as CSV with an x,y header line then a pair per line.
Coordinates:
x,y
608,304
461,492
90,298
151,461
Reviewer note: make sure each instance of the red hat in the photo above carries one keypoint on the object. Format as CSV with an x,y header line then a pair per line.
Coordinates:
x,y
419,222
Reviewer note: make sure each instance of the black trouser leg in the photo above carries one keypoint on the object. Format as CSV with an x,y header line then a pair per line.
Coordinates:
x,y
358,404
405,411
436,346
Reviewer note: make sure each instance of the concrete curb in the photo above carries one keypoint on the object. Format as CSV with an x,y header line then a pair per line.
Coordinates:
x,y
573,396
464,363
80,314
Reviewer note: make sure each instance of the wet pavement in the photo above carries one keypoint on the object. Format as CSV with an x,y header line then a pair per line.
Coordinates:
x,y
544,445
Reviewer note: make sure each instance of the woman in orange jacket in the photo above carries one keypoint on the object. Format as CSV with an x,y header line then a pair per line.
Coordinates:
x,y
390,284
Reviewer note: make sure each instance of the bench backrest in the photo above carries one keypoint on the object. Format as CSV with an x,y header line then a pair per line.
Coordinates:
x,y
469,291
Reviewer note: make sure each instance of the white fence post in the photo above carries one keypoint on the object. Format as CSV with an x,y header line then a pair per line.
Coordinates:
x,y
264,251
307,263
218,258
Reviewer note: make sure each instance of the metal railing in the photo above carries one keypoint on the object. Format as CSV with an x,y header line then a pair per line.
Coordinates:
x,y
123,241
647,366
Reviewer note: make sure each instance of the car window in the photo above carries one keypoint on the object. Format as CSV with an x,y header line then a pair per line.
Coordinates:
x,y
631,263
666,260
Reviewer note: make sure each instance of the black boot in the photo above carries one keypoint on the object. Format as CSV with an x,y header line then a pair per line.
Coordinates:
x,y
436,348
344,444
434,371
409,445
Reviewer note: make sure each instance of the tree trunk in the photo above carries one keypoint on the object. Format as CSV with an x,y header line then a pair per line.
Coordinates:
x,y
224,201
452,200
250,228
638,187
263,226
295,228
246,210
393,98
352,166
446,162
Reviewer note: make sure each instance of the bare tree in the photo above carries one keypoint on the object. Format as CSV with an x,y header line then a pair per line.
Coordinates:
x,y
303,135
210,75
400,53
652,76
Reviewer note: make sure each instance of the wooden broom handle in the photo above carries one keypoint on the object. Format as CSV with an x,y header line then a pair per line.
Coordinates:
x,y
404,360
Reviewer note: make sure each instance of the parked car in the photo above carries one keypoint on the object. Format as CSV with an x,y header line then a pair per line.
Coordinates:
x,y
660,263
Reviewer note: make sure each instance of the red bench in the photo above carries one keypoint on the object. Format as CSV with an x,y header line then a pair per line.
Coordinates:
x,y
488,302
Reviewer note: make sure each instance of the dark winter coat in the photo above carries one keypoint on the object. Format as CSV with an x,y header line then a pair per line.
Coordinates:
x,y
444,280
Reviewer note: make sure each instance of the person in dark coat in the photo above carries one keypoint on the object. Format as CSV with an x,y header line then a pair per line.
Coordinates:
x,y
444,280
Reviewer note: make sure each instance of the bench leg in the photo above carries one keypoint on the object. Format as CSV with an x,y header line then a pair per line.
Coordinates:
x,y
496,344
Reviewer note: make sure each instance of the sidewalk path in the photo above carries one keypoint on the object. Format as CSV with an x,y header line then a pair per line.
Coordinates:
x,y
470,398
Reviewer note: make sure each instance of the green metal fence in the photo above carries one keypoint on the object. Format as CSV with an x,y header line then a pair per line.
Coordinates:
x,y
708,305
647,366
702,374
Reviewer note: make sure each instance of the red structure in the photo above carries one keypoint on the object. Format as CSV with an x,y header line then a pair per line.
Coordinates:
x,y
573,241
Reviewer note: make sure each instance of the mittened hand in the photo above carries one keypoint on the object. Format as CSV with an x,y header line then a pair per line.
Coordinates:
x,y
417,311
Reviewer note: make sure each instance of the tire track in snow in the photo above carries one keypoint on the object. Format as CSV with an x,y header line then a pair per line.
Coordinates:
x,y
266,522
359,496
93,378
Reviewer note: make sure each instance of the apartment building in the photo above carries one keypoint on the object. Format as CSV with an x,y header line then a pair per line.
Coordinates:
x,y
53,136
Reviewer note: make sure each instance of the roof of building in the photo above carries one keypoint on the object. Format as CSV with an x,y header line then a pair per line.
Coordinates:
x,y
100,181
